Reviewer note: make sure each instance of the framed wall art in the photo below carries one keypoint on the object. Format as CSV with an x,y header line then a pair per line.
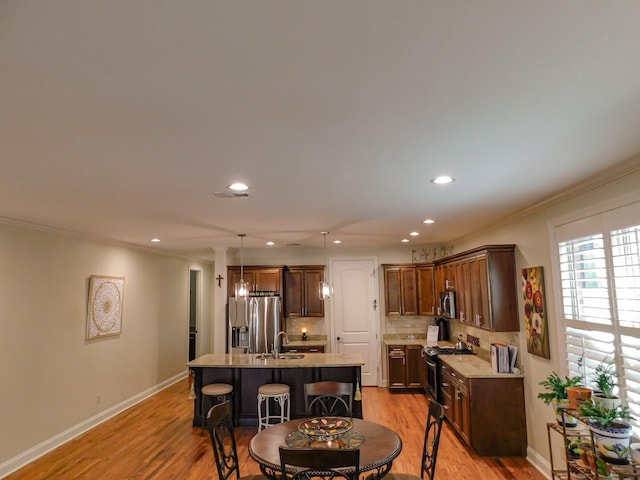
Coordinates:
x,y
535,312
104,312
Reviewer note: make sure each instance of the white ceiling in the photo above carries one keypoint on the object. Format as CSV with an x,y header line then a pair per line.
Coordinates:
x,y
119,119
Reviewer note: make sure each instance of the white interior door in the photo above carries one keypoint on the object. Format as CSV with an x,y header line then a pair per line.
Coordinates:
x,y
354,314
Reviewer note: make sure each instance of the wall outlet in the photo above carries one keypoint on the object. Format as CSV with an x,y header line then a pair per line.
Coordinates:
x,y
473,340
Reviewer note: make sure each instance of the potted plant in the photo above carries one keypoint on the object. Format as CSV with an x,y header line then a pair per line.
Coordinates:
x,y
605,380
611,431
556,395
575,447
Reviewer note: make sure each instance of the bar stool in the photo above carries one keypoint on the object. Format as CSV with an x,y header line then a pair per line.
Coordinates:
x,y
279,393
219,391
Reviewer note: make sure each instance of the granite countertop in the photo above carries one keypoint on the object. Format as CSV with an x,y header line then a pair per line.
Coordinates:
x,y
222,360
471,366
418,340
405,341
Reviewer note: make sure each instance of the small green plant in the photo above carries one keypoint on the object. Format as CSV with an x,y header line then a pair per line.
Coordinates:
x,y
557,387
601,466
605,378
604,416
575,447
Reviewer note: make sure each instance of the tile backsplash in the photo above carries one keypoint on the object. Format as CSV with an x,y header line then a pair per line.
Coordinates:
x,y
401,326
486,339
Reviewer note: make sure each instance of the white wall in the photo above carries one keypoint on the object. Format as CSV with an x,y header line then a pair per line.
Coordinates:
x,y
51,376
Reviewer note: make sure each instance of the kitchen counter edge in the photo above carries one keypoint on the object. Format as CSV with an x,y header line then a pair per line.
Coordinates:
x,y
471,366
310,360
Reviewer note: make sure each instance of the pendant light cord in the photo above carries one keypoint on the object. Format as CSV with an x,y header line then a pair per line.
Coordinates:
x,y
241,235
324,248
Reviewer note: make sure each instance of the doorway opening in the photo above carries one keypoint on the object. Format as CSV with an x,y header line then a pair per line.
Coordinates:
x,y
194,310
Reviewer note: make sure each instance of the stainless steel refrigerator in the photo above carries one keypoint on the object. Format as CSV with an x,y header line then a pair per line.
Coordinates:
x,y
254,325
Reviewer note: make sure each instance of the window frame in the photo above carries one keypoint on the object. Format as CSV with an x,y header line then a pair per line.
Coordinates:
x,y
597,219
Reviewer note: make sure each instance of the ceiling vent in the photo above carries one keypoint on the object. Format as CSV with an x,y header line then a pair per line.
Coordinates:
x,y
231,194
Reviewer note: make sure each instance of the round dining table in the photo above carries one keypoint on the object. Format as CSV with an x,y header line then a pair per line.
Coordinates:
x,y
378,445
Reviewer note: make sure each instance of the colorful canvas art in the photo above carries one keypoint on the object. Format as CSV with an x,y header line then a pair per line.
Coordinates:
x,y
535,312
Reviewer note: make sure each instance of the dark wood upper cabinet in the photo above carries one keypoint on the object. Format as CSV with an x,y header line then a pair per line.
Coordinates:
x,y
400,289
426,291
486,287
409,289
260,279
301,298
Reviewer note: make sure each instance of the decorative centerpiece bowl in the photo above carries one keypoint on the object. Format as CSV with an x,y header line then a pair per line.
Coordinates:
x,y
325,428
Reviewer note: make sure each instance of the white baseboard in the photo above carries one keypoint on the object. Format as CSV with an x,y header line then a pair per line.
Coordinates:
x,y
539,462
54,442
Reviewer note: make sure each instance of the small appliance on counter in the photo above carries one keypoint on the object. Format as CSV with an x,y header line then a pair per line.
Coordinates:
x,y
443,329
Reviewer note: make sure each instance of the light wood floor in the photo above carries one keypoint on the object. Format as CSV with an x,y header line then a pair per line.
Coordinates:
x,y
155,440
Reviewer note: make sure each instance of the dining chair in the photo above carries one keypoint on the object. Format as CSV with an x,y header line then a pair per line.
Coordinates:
x,y
325,463
223,441
328,399
430,446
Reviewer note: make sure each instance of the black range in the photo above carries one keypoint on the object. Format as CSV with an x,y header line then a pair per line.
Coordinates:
x,y
430,355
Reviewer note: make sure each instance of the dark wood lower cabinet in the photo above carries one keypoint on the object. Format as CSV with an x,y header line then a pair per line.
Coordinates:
x,y
487,412
406,366
397,363
414,364
303,349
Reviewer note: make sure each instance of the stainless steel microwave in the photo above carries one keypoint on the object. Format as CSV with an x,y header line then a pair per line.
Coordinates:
x,y
448,304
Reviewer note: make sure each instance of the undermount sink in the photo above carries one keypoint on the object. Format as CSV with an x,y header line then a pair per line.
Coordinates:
x,y
281,356
265,356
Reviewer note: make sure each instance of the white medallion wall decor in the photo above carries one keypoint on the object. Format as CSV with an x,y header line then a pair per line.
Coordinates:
x,y
104,316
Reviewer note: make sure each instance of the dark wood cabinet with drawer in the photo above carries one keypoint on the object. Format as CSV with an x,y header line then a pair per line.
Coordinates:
x,y
405,363
303,349
487,412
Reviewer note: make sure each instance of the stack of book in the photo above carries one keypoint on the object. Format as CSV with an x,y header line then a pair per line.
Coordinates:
x,y
503,357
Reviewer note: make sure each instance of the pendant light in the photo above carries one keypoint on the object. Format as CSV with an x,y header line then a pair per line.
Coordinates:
x,y
242,287
324,289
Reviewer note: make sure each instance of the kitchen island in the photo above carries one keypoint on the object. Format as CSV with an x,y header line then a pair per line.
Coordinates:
x,y
247,372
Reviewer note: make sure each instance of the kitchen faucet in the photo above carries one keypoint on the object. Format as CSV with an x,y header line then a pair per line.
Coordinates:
x,y
275,341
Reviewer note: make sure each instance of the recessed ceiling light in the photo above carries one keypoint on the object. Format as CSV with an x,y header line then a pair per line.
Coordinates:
x,y
405,240
155,240
442,180
337,241
414,234
238,187
429,220
270,243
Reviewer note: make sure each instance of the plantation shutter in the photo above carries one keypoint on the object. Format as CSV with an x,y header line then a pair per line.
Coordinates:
x,y
599,271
